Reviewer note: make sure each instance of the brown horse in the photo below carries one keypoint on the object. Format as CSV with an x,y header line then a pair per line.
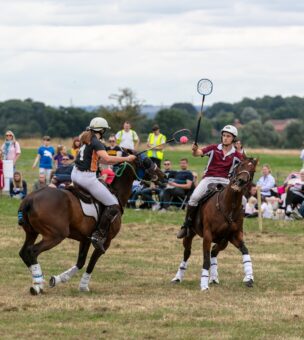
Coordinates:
x,y
219,221
56,214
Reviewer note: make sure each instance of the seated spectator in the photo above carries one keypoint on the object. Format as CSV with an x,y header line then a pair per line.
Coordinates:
x,y
251,207
251,191
61,153
106,173
62,175
177,186
113,149
295,194
266,208
75,147
136,192
18,186
266,182
40,183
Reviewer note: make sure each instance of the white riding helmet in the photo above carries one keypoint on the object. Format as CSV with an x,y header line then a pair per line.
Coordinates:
x,y
230,129
98,124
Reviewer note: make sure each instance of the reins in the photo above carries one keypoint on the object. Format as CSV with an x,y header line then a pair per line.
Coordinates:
x,y
119,172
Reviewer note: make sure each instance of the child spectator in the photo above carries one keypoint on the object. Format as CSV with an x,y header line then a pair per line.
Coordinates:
x,y
75,147
40,183
18,186
45,158
11,148
250,208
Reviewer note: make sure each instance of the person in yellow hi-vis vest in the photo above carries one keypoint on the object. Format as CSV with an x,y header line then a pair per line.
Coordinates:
x,y
156,139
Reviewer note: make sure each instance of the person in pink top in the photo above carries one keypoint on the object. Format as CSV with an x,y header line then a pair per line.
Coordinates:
x,y
10,148
222,160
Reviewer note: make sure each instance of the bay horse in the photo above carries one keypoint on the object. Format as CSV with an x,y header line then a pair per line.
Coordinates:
x,y
56,214
219,220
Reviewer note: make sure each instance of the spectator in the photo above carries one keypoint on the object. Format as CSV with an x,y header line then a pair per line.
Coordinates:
x,y
45,158
18,186
127,138
250,208
113,149
302,156
40,183
10,148
177,186
75,147
239,146
266,182
1,172
62,175
266,208
295,194
61,153
157,140
106,173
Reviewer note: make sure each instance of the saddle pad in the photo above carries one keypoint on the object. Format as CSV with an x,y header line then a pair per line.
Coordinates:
x,y
89,209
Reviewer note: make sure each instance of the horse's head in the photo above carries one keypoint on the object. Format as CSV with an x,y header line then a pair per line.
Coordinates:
x,y
145,167
243,174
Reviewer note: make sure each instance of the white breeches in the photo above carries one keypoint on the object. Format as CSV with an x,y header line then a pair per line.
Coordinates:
x,y
89,181
202,187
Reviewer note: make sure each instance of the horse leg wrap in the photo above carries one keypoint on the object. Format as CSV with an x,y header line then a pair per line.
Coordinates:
x,y
204,279
64,277
213,271
38,279
84,282
181,272
247,268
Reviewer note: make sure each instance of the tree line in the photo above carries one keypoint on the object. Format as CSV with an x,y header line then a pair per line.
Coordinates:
x,y
29,118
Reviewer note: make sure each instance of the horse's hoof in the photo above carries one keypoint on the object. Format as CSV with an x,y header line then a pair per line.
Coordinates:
x,y
35,290
214,282
175,280
205,289
84,289
52,282
249,283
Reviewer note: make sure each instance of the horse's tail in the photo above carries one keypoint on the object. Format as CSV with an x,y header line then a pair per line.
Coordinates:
x,y
23,213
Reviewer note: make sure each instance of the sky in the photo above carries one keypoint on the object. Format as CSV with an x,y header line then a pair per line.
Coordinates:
x,y
79,52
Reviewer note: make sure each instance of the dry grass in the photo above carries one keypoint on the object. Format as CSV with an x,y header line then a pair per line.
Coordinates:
x,y
131,296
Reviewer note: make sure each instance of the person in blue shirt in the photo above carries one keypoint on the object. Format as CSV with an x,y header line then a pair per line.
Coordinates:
x,y
266,182
45,157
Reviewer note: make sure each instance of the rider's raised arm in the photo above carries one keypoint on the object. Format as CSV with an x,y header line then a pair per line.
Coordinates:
x,y
107,159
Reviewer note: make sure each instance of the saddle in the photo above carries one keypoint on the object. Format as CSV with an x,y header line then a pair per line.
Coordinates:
x,y
213,188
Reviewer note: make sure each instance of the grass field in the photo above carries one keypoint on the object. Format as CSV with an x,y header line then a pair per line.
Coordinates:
x,y
131,296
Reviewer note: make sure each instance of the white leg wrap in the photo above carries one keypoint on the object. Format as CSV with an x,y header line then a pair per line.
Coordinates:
x,y
84,282
181,272
213,271
37,274
247,268
64,277
204,279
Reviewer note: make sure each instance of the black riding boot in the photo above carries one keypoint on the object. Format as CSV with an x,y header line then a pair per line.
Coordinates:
x,y
100,235
190,215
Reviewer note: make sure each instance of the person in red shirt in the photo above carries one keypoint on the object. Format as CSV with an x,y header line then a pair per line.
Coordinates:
x,y
222,159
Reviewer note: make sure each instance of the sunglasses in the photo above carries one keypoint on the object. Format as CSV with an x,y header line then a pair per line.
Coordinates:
x,y
9,135
65,159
